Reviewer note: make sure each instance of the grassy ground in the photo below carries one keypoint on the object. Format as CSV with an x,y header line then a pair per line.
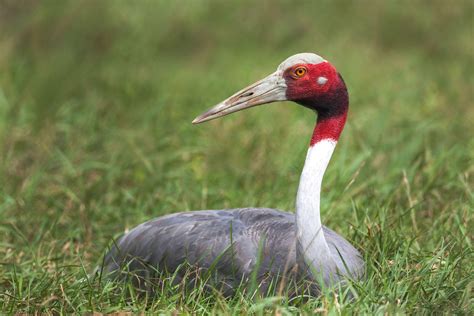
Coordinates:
x,y
96,100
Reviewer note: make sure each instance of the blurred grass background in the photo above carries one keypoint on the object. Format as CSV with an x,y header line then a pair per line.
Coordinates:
x,y
96,100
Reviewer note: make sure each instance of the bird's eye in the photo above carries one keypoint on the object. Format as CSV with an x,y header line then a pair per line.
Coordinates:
x,y
300,72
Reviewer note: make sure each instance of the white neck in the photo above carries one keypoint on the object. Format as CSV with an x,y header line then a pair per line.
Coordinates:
x,y
311,241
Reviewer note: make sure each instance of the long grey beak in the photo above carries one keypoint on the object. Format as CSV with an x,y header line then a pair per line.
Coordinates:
x,y
270,89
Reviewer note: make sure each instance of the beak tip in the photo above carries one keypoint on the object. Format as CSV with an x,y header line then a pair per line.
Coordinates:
x,y
207,116
198,120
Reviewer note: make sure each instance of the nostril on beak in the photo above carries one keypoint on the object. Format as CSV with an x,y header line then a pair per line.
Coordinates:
x,y
248,94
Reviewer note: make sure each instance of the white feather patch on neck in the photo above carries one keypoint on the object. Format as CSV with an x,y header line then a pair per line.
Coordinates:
x,y
310,234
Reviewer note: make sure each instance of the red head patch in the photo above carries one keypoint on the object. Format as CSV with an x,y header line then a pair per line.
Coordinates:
x,y
321,88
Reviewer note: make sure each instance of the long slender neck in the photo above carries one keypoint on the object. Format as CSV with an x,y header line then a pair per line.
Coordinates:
x,y
312,243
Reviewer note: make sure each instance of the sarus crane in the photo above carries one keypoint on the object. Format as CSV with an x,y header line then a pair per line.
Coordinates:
x,y
262,242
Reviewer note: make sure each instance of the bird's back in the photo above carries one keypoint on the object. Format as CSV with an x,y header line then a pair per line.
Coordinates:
x,y
235,243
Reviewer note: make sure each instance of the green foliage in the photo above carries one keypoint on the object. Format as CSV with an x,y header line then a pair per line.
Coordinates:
x,y
96,100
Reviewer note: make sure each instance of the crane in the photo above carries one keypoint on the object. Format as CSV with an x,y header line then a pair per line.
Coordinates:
x,y
264,242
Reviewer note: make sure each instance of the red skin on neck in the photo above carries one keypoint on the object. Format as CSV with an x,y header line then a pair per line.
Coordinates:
x,y
328,128
330,100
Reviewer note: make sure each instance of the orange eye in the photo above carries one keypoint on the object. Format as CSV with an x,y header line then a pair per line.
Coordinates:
x,y
300,72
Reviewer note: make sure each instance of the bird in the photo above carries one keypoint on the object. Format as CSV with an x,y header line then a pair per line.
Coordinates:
x,y
262,243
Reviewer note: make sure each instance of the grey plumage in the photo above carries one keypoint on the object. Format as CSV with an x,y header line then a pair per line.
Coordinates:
x,y
265,244
230,240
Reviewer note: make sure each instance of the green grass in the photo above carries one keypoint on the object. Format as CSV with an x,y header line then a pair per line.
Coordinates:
x,y
96,100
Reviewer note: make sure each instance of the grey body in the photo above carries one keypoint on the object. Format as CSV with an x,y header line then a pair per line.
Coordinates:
x,y
203,239
241,243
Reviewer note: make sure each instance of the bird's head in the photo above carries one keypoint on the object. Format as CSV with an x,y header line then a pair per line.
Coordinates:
x,y
305,78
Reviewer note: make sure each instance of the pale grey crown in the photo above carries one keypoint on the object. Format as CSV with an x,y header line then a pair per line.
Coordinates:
x,y
301,58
